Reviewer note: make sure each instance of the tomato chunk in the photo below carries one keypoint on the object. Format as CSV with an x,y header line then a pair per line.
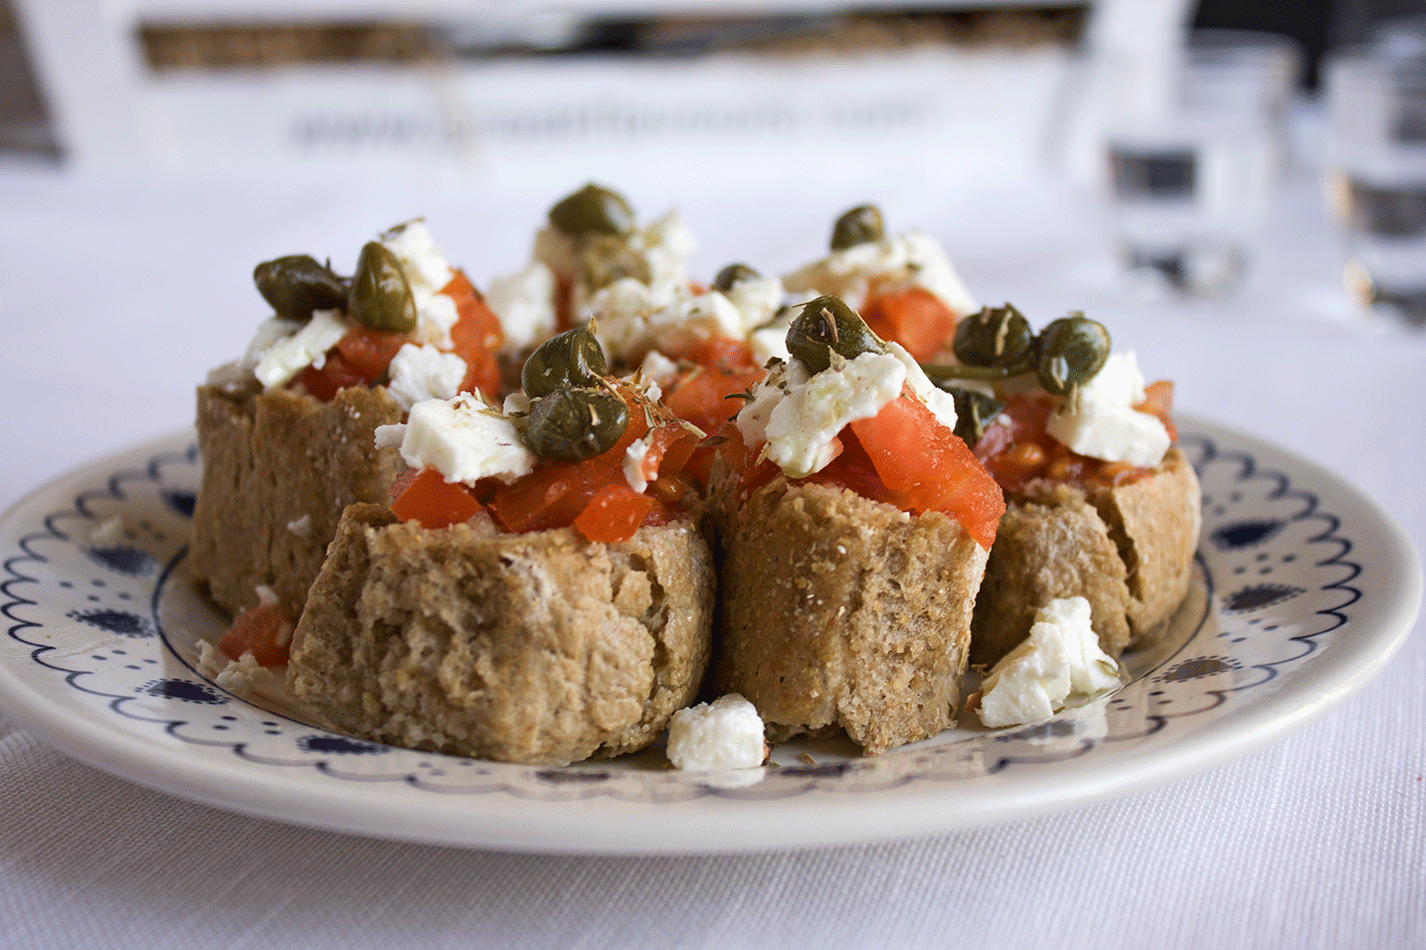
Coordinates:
x,y
476,337
369,352
707,397
913,317
264,630
594,496
428,498
336,374
1017,447
613,514
925,467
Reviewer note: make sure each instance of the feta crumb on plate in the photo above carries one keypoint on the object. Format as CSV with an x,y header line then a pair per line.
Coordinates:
x,y
1060,660
724,734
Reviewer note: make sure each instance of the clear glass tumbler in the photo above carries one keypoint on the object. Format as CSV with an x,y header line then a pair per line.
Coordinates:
x,y
1194,147
1376,175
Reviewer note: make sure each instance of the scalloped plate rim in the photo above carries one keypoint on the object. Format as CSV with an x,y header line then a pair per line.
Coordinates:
x,y
714,824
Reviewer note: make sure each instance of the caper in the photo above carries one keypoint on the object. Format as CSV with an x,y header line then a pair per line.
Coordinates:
x,y
593,210
573,359
731,275
974,410
860,225
825,326
996,336
380,298
571,425
296,285
945,376
605,259
1071,351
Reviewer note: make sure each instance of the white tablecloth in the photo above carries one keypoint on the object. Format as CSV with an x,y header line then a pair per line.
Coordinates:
x,y
121,292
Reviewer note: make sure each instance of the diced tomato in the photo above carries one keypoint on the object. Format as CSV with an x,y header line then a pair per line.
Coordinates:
x,y
706,395
913,317
614,514
428,498
925,467
1016,447
1158,401
369,352
264,630
336,373
476,337
594,496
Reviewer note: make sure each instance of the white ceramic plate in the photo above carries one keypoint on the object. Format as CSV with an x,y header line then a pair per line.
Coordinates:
x,y
1305,589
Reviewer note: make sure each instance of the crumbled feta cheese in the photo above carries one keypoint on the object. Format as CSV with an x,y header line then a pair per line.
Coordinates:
x,y
525,303
752,419
757,299
462,439
265,595
239,372
1060,660
1118,379
242,675
1111,431
436,315
801,427
724,734
302,527
941,403
911,259
634,457
658,369
422,260
666,244
631,318
290,355
424,265
769,341
419,373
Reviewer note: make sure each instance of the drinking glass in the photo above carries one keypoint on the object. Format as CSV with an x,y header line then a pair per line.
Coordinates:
x,y
1376,175
1194,147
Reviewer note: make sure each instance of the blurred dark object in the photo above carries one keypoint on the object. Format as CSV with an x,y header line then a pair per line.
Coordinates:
x,y
24,123
1310,22
176,45
198,46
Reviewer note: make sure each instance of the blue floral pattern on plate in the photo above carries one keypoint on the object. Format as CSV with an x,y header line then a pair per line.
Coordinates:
x,y
102,620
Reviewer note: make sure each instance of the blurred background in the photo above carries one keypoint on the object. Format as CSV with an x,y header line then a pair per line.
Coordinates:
x,y
165,146
495,91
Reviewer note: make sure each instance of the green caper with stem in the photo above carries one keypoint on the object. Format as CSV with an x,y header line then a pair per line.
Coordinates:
x,y
860,225
825,326
996,336
571,425
593,209
1071,351
731,275
296,285
573,359
380,297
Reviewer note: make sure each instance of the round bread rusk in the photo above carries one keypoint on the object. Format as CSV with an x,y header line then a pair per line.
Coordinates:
x,y
278,470
842,611
1127,550
537,648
